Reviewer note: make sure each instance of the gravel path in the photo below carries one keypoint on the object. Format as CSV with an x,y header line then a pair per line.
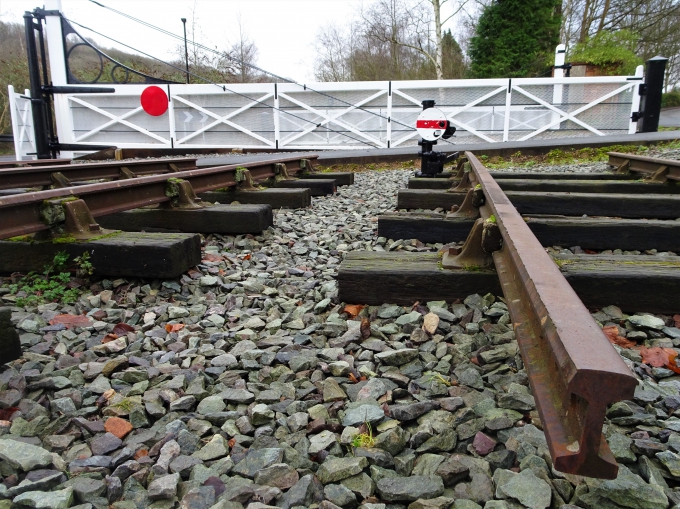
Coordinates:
x,y
246,384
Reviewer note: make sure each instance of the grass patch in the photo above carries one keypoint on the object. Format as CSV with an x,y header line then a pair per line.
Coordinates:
x,y
364,439
358,168
575,156
52,284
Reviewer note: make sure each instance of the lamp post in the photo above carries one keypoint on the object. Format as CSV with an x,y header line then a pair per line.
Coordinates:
x,y
186,51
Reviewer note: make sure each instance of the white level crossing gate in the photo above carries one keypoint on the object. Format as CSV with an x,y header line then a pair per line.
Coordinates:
x,y
350,115
347,115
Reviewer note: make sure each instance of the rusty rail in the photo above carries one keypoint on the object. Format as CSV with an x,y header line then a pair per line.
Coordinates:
x,y
24,213
33,162
34,176
573,369
655,168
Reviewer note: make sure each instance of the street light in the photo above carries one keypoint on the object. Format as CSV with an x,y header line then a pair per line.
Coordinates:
x,y
186,51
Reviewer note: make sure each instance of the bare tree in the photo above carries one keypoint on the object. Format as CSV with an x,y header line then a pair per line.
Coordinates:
x,y
245,53
654,22
334,49
413,26
438,23
392,39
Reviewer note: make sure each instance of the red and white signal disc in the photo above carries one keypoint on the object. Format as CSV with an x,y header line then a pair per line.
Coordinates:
x,y
431,124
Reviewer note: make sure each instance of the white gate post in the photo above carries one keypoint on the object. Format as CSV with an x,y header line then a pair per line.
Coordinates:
x,y
277,127
15,122
635,103
55,43
506,120
388,134
171,118
560,52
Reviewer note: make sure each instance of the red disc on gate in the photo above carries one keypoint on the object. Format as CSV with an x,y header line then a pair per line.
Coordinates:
x,y
154,101
431,124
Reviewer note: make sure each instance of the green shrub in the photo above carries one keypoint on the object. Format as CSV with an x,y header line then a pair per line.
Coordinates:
x,y
614,52
671,99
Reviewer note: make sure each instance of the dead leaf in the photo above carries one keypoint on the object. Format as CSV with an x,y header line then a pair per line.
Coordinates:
x,y
365,328
210,257
352,378
660,357
195,274
108,338
612,333
676,319
232,443
122,328
106,397
71,321
430,323
247,257
353,309
6,413
174,327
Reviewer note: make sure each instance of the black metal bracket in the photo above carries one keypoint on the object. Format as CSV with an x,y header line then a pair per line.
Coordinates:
x,y
50,89
566,66
637,115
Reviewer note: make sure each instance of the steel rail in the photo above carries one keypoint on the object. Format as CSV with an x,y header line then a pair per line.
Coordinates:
x,y
33,162
21,214
13,178
665,169
573,369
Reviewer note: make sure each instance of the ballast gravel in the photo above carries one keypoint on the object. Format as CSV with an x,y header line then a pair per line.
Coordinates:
x,y
246,384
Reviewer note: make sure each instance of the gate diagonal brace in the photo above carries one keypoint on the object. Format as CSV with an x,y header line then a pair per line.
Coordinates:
x,y
282,173
181,194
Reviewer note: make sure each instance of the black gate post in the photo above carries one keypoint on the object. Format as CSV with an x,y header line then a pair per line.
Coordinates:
x,y
42,140
650,103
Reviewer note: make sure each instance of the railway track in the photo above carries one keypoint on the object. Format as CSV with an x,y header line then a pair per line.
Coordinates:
x,y
153,195
503,251
574,372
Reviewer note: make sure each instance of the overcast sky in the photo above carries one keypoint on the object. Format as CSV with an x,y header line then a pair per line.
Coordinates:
x,y
283,30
